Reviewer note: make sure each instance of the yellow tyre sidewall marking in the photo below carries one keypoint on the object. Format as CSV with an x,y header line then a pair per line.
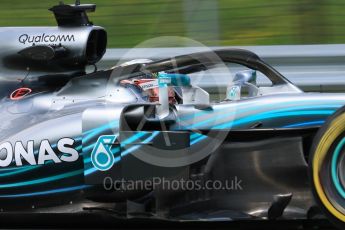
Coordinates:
x,y
335,129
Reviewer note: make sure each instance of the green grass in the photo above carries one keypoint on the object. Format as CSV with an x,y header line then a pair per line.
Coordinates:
x,y
223,22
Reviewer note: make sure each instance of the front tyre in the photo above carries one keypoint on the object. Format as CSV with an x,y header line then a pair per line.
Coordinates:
x,y
327,165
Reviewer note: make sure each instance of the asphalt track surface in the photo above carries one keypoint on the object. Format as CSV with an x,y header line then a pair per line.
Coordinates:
x,y
101,221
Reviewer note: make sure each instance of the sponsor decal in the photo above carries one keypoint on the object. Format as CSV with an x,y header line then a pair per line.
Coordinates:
x,y
46,38
21,153
234,93
149,85
20,93
164,81
102,157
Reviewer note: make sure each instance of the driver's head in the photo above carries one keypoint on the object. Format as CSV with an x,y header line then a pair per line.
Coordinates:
x,y
149,87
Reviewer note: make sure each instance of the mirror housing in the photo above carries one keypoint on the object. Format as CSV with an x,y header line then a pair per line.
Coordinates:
x,y
245,78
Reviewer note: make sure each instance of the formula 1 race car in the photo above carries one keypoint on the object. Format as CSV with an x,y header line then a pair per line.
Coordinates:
x,y
142,139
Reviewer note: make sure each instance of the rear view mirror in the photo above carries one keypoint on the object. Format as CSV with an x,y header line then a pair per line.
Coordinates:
x,y
243,80
246,76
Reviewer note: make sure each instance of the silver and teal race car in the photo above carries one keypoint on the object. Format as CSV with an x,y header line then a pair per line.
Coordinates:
x,y
144,140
